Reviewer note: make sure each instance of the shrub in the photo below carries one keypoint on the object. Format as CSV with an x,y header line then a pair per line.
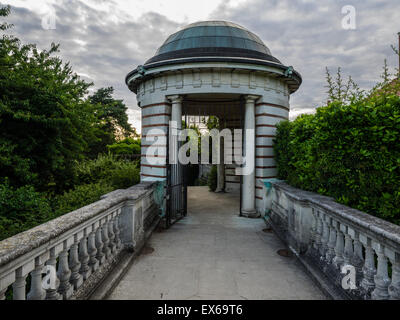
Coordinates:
x,y
80,196
125,175
350,152
118,173
127,146
212,178
21,209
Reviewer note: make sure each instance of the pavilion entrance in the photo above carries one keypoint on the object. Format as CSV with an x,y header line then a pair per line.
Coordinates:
x,y
203,112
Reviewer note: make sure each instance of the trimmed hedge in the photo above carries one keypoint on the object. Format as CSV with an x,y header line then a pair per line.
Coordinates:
x,y
212,178
349,152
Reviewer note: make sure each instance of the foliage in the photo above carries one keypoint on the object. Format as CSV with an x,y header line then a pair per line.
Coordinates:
x,y
21,209
347,151
45,121
212,178
212,122
127,146
112,121
339,90
48,130
80,196
118,173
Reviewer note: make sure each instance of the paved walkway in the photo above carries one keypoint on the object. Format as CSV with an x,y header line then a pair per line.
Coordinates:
x,y
215,254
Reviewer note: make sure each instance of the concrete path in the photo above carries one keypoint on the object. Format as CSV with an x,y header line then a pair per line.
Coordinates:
x,y
215,254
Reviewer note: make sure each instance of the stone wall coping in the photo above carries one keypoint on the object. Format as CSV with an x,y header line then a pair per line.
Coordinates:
x,y
24,242
376,228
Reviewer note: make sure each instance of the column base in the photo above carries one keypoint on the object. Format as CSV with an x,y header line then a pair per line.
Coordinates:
x,y
250,214
219,190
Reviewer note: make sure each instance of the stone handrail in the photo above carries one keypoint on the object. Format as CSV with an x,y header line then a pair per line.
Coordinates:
x,y
76,250
331,238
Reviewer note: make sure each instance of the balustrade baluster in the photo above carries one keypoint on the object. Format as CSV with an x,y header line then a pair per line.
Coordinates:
x,y
92,250
37,292
106,240
111,236
368,283
358,259
313,232
99,245
19,286
318,237
330,253
381,278
394,288
325,237
3,294
64,273
75,265
339,248
52,291
117,230
348,247
84,258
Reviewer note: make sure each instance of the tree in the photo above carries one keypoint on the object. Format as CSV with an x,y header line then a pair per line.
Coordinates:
x,y
45,119
112,121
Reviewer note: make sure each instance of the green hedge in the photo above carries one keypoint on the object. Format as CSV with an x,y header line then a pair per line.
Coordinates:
x,y
212,178
24,208
21,209
349,152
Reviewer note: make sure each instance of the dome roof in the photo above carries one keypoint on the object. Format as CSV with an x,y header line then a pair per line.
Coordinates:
x,y
213,38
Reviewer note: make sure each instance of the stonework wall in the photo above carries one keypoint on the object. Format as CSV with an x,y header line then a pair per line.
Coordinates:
x,y
216,78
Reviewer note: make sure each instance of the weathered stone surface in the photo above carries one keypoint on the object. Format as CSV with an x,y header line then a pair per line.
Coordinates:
x,y
24,242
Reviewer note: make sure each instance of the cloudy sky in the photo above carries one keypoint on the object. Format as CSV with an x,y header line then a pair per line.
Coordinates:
x,y
105,39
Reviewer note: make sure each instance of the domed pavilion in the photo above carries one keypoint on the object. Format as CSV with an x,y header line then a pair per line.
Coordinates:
x,y
221,69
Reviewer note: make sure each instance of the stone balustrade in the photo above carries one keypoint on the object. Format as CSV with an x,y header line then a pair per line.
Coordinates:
x,y
335,242
69,256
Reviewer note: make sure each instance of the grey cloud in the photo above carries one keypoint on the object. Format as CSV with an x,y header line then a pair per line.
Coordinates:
x,y
309,36
305,34
105,51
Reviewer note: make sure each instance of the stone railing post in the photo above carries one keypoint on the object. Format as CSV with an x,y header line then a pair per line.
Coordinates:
x,y
52,293
394,288
117,230
37,292
106,240
92,250
99,245
338,260
84,258
381,278
330,253
74,264
369,270
64,273
19,286
348,247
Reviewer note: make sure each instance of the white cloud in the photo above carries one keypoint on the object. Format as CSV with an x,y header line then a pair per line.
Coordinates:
x,y
105,39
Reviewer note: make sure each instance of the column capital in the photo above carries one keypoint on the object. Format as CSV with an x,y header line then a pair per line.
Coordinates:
x,y
175,98
251,98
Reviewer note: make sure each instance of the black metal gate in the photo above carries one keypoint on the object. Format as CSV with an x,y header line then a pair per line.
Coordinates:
x,y
176,190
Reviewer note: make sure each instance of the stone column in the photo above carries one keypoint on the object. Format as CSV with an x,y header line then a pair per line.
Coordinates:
x,y
221,165
248,187
175,128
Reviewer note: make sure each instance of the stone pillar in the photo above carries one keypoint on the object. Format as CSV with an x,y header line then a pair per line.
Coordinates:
x,y
221,165
176,122
175,128
248,187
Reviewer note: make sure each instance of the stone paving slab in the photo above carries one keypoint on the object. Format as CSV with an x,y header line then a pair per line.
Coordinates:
x,y
214,254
